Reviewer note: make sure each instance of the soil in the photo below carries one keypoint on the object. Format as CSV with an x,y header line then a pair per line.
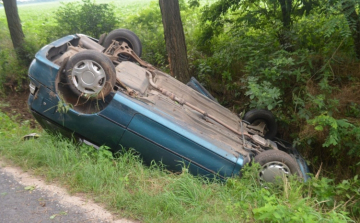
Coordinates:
x,y
15,105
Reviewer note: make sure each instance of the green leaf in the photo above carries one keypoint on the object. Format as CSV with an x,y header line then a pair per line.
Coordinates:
x,y
277,215
319,128
30,188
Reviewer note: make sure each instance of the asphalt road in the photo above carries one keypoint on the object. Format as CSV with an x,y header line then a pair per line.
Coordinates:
x,y
19,203
27,198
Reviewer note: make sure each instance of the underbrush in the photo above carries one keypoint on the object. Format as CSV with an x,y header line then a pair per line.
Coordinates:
x,y
312,89
152,194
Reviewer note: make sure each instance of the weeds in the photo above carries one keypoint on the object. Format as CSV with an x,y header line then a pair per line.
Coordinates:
x,y
151,194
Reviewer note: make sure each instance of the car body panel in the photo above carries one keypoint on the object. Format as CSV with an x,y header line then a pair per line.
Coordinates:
x,y
180,144
151,123
171,142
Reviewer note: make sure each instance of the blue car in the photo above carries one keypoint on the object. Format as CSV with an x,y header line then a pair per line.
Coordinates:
x,y
101,93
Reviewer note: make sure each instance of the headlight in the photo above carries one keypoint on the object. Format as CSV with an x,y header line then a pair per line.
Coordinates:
x,y
32,88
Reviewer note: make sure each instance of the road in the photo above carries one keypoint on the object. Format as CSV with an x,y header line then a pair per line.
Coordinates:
x,y
25,198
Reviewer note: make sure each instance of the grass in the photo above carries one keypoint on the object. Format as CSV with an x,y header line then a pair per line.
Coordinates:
x,y
151,194
39,13
37,16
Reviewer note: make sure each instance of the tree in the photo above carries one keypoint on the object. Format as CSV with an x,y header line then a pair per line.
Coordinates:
x,y
353,19
16,32
175,39
259,14
350,10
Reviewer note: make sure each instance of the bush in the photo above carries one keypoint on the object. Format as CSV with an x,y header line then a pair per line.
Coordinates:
x,y
147,24
13,73
311,87
89,18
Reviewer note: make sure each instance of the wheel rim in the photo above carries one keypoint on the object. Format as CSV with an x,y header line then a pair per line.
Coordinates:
x,y
273,170
88,77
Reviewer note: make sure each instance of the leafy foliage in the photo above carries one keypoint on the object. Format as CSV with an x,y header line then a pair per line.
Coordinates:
x,y
88,18
148,26
263,95
341,134
12,71
303,86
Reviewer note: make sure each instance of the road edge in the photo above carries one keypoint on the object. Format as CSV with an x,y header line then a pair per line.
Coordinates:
x,y
62,195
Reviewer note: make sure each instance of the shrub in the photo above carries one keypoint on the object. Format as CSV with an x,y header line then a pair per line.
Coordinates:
x,y
89,18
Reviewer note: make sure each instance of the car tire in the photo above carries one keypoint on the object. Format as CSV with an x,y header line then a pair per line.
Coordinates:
x,y
276,163
90,74
259,115
128,36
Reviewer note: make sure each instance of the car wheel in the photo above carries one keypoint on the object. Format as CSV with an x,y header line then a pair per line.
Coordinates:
x,y
274,164
257,116
129,37
90,74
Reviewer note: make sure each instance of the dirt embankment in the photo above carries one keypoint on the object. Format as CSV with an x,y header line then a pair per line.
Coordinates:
x,y
14,104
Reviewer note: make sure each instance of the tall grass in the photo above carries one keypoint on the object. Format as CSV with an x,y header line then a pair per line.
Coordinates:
x,y
37,18
152,194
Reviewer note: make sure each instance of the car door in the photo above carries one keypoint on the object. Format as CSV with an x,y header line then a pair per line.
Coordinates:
x,y
159,142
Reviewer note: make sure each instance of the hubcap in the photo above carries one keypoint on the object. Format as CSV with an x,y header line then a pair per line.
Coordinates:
x,y
88,77
273,170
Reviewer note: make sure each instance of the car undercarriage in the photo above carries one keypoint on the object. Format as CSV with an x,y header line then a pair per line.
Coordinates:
x,y
89,73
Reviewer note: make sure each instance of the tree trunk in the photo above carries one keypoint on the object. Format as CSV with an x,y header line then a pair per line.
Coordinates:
x,y
284,34
353,20
286,7
175,39
16,32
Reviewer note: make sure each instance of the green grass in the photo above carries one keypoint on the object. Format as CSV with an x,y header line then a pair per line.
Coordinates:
x,y
40,12
38,16
152,194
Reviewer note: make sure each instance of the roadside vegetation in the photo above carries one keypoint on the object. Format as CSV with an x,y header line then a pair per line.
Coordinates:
x,y
305,70
151,194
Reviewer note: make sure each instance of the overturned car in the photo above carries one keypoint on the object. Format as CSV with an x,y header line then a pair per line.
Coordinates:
x,y
102,93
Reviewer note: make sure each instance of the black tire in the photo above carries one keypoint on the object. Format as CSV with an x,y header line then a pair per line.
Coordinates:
x,y
129,37
257,115
276,163
86,67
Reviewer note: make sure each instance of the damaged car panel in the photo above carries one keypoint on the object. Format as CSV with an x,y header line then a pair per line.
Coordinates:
x,y
114,98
